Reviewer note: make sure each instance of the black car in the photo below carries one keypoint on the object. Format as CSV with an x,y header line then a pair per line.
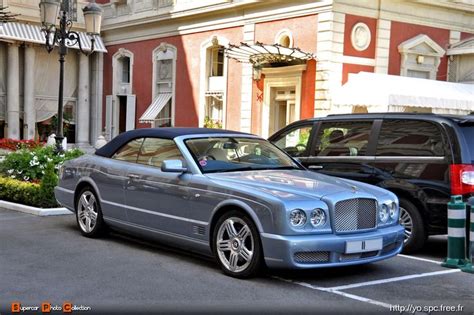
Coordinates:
x,y
422,158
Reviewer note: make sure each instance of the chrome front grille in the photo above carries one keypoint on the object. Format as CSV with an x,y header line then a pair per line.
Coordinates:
x,y
355,214
311,257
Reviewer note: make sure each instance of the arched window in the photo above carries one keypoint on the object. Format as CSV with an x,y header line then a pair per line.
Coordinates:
x,y
213,83
161,111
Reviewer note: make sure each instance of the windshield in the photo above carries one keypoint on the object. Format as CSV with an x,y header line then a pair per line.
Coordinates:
x,y
228,154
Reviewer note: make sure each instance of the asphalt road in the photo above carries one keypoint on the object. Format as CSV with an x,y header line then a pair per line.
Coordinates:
x,y
46,259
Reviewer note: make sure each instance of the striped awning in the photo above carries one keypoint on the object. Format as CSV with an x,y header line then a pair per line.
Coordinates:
x,y
155,108
33,34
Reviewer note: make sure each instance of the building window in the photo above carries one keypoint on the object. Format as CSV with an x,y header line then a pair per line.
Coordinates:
x,y
217,61
212,109
214,114
160,113
125,62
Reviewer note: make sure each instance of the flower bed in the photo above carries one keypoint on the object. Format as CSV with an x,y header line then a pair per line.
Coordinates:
x,y
28,176
13,145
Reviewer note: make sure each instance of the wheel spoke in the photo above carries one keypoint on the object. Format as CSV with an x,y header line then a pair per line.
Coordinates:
x,y
246,254
229,227
223,245
93,215
82,215
88,224
233,260
84,201
243,233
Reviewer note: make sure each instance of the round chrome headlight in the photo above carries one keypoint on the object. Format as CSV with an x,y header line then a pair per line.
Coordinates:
x,y
318,217
297,217
393,210
384,213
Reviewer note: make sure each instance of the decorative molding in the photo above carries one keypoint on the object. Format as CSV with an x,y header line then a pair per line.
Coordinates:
x,y
284,32
358,61
360,36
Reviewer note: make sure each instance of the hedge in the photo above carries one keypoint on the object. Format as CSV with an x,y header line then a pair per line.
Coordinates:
x,y
32,194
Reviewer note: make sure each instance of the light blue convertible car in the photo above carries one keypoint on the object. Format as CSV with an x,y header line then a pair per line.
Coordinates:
x,y
231,195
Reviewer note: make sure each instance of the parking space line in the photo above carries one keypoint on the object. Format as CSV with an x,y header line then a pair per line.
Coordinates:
x,y
330,290
388,280
420,259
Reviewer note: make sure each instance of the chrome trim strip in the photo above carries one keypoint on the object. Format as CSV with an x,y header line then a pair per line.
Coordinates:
x,y
159,231
410,158
155,213
370,158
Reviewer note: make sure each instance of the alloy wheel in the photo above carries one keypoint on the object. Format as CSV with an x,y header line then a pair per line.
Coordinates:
x,y
407,222
87,211
235,244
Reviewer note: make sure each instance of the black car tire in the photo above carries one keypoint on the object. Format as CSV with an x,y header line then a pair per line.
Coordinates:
x,y
418,235
82,214
254,264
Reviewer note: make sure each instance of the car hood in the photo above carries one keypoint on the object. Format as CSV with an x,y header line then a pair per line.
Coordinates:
x,y
289,184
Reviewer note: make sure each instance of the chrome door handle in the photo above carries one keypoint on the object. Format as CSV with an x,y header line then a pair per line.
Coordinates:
x,y
133,176
315,167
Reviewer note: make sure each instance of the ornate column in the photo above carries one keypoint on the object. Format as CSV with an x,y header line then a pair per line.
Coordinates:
x,y
13,93
29,118
83,104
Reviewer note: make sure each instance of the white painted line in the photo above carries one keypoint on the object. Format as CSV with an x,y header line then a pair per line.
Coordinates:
x,y
420,259
361,299
328,290
382,281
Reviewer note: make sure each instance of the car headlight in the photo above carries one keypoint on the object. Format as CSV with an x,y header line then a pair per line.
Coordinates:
x,y
384,213
297,217
318,217
393,211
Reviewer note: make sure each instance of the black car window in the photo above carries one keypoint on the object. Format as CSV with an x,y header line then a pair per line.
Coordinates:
x,y
129,151
346,138
409,138
468,132
295,140
155,150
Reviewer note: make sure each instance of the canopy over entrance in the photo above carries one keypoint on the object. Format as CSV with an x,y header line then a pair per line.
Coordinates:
x,y
390,93
260,55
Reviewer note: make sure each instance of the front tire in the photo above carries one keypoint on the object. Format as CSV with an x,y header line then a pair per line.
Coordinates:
x,y
89,214
412,221
236,245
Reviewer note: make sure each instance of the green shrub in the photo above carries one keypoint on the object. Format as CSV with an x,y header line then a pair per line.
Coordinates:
x,y
19,191
30,165
49,181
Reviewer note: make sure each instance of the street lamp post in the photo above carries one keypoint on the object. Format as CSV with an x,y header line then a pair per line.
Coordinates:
x,y
64,37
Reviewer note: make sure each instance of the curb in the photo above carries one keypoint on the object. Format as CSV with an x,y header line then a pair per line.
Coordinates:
x,y
33,210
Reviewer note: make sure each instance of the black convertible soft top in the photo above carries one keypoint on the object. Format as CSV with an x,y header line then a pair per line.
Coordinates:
x,y
166,133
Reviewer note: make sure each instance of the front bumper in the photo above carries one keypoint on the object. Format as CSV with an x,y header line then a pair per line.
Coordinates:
x,y
328,250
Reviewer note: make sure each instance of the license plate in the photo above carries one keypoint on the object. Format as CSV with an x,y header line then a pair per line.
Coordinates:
x,y
363,246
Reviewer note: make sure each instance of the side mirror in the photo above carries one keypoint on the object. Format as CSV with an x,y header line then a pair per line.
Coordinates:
x,y
173,166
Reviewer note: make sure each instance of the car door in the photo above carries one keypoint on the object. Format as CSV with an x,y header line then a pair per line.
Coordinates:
x,y
156,199
343,148
111,178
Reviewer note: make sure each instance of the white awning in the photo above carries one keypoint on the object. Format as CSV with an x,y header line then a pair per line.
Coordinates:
x,y
33,34
383,93
155,108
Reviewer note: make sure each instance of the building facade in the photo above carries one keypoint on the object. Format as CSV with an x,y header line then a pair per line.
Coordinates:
x,y
253,66
29,79
168,61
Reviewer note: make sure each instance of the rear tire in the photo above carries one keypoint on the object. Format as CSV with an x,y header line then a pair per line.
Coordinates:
x,y
236,245
89,214
415,232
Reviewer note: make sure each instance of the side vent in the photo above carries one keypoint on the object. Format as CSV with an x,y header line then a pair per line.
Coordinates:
x,y
199,230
